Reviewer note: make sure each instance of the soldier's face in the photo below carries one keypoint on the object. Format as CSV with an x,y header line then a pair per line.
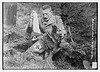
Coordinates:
x,y
46,14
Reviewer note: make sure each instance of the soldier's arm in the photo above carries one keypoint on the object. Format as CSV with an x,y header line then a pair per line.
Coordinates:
x,y
30,25
61,26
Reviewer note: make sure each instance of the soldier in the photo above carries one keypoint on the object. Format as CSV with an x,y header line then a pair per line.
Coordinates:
x,y
47,21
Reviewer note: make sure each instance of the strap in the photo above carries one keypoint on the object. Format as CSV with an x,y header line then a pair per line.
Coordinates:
x,y
56,19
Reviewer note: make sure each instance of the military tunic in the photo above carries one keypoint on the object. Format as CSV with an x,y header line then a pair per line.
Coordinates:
x,y
54,20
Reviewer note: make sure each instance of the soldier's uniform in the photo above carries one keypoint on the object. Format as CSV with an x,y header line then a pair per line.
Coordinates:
x,y
47,26
54,20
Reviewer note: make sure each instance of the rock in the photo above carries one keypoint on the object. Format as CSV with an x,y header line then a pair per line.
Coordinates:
x,y
86,64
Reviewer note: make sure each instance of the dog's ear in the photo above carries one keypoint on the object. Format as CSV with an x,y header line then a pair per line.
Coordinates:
x,y
54,29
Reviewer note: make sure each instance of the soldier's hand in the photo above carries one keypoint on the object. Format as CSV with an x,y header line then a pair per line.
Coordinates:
x,y
32,14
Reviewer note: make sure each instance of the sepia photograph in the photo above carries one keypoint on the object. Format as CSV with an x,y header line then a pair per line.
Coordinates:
x,y
50,35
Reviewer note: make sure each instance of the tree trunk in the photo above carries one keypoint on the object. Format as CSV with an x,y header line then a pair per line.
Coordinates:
x,y
9,13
